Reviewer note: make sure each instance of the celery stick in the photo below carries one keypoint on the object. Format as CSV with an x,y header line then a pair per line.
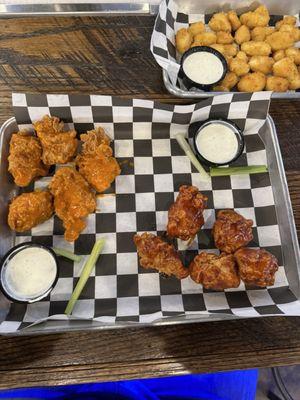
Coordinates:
x,y
85,274
67,254
189,153
251,169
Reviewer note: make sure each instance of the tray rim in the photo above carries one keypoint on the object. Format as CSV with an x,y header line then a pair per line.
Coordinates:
x,y
185,94
39,329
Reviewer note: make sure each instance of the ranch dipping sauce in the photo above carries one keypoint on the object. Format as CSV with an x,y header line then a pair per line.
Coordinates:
x,y
203,68
29,273
218,142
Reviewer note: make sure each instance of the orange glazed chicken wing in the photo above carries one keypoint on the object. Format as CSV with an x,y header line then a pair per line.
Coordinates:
x,y
155,253
232,231
59,147
24,160
257,267
185,216
73,200
215,272
96,162
29,210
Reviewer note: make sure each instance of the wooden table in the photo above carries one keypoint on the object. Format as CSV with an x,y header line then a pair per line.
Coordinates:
x,y
111,56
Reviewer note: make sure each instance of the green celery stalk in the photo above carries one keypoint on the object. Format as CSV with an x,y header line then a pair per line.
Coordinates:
x,y
251,169
67,254
85,274
190,154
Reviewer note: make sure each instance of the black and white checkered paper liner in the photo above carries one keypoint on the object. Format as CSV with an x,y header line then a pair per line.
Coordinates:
x,y
153,168
169,20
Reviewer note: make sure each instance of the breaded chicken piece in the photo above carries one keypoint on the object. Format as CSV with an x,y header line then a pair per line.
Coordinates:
x,y
261,64
256,48
256,267
59,147
242,34
231,231
219,22
29,210
155,253
24,160
73,200
215,272
96,162
185,216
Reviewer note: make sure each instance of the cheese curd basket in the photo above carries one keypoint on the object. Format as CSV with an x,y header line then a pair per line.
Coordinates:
x,y
176,14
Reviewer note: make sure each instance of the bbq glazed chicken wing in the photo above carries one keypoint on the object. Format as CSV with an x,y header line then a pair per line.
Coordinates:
x,y
215,272
59,147
73,200
96,162
155,253
29,210
24,160
231,231
185,216
256,267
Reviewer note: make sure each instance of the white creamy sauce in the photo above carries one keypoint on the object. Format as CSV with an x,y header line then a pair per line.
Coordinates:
x,y
217,143
203,67
29,273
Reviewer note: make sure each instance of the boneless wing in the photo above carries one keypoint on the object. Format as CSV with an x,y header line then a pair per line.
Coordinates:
x,y
215,272
257,266
59,147
155,253
96,162
30,209
24,160
185,216
231,231
73,200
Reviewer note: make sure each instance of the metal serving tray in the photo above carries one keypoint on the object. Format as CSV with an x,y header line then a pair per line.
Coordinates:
x,y
21,8
290,247
275,7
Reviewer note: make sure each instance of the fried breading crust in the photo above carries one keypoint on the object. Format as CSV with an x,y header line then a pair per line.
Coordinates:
x,y
59,147
185,216
231,231
29,210
215,272
96,163
24,160
73,200
155,253
256,267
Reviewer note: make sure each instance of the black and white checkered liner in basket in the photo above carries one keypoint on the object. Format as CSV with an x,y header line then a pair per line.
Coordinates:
x,y
169,20
153,168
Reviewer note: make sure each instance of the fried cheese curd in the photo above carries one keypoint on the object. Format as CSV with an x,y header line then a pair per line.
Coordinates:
x,y
154,253
59,147
185,216
73,200
215,272
257,267
96,162
24,159
29,210
231,231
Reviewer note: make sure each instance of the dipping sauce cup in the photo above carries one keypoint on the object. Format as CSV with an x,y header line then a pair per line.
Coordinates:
x,y
202,67
217,141
29,272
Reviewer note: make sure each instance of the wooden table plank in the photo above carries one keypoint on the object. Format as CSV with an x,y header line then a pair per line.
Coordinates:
x,y
111,56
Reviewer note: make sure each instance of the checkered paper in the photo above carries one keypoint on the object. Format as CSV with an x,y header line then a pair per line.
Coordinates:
x,y
169,20
153,169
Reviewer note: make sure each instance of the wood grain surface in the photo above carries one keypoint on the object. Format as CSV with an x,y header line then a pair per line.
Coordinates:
x,y
111,56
